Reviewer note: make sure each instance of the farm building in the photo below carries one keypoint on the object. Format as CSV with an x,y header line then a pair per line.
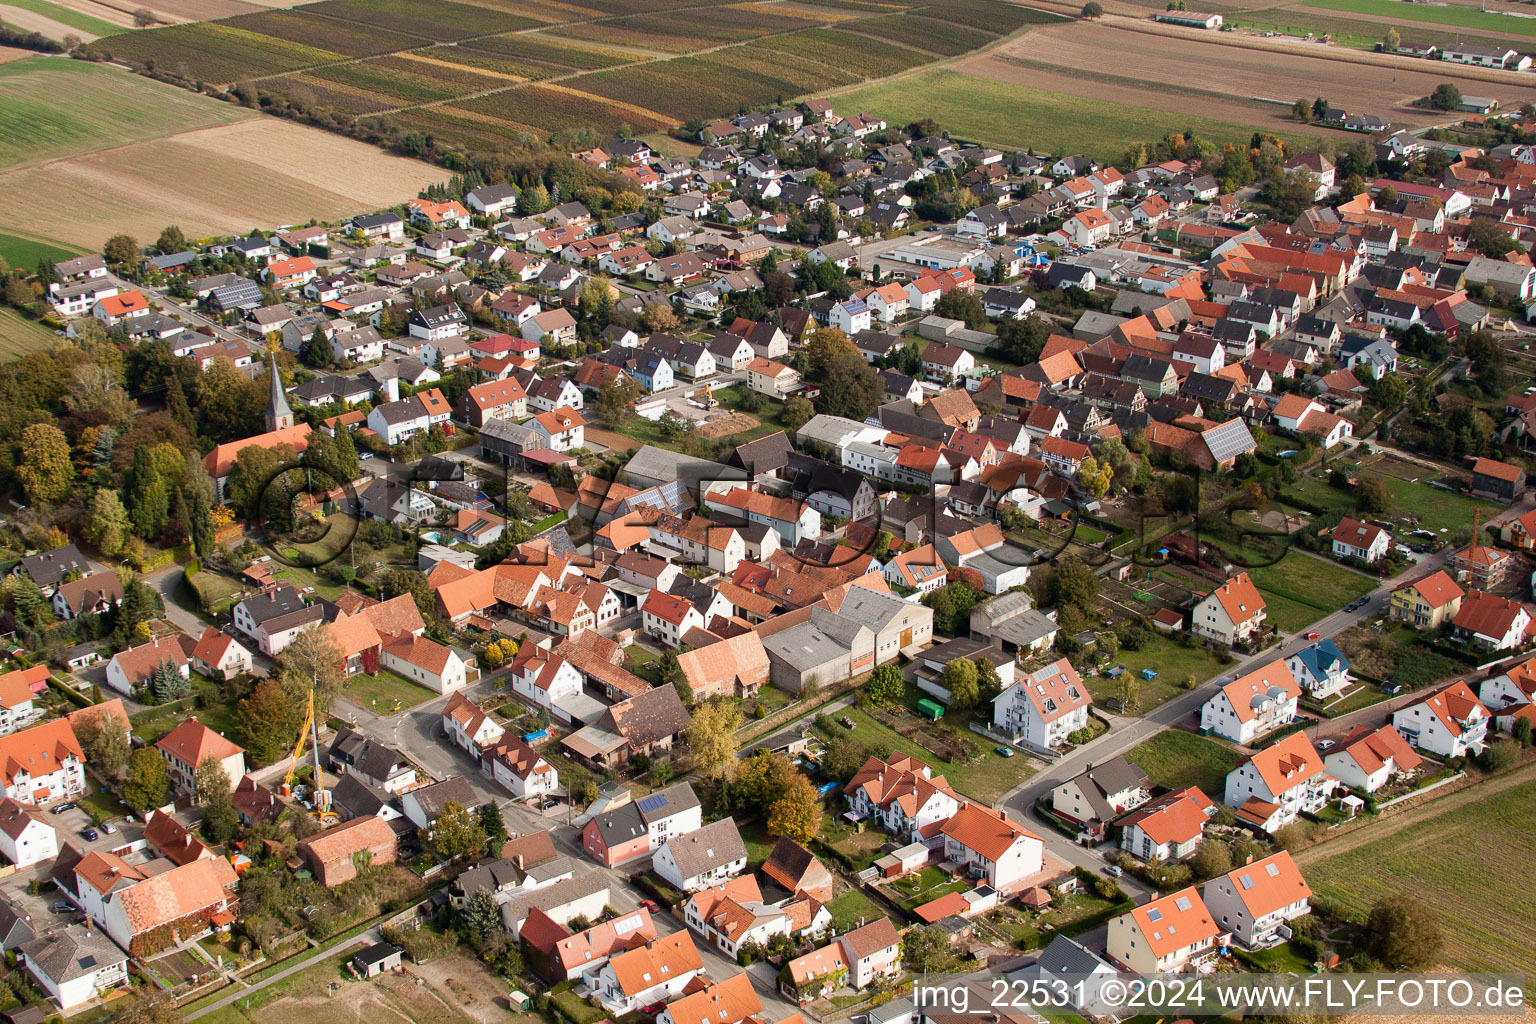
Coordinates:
x,y
1190,19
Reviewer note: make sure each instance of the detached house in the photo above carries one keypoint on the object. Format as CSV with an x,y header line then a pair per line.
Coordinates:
x,y
992,847
1363,541
1427,603
633,829
1321,670
1254,901
1451,722
702,858
1162,936
1252,705
904,798
1492,623
1168,828
1100,794
1368,759
189,745
1277,784
43,764
1045,707
1230,613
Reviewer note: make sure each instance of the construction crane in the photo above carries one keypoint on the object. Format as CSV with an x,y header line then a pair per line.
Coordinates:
x,y
310,731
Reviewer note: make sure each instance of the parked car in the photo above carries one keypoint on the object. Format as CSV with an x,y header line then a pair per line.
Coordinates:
x,y
90,835
1005,751
108,828
1326,744
651,906
1114,869
1314,635
66,806
61,908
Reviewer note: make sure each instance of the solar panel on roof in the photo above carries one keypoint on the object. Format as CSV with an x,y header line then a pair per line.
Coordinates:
x,y
650,803
1229,440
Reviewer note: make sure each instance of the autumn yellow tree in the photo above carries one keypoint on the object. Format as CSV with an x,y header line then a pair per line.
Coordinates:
x,y
712,738
796,814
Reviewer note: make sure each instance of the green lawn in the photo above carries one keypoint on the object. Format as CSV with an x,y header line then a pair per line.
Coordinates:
x,y
63,15
1013,116
20,335
1467,864
379,693
52,108
1300,589
1165,656
1436,507
759,843
988,778
851,907
1175,758
25,250
1453,14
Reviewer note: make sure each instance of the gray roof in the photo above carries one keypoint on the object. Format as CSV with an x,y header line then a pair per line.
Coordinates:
x,y
805,647
713,846
70,953
552,898
620,825
1066,956
651,466
439,795
1100,781
49,567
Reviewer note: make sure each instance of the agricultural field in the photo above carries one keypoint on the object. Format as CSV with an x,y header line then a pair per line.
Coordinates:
x,y
211,181
1015,116
864,58
309,29
546,109
562,53
24,251
81,23
52,109
928,34
442,20
18,336
214,51
1120,63
409,80
1475,841
701,87
1435,14
988,15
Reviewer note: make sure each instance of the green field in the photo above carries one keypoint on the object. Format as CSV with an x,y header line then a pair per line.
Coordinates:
x,y
56,108
1300,589
1437,508
1464,17
1472,853
379,693
65,16
25,251
985,780
1175,758
1013,117
18,335
1163,655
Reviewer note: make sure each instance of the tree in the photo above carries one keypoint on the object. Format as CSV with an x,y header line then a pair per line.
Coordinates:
x,y
148,500
850,386
171,240
1445,97
1403,933
1075,585
797,413
46,471
148,785
885,686
1130,691
311,663
121,249
1095,476
213,787
493,825
1093,10
988,683
1389,391
796,814
104,739
456,834
1372,496
660,317
267,721
1019,341
1486,236
712,737
1393,40
1320,108
1301,111
927,950
107,527
614,399
166,683
1212,857
150,1006
961,679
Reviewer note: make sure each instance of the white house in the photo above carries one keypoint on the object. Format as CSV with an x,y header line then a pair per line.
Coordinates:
x,y
563,429
656,972
702,858
992,847
1231,612
43,764
26,837
1363,541
1168,828
1253,902
1278,783
902,797
1321,670
1044,707
74,965
1451,722
1162,936
1368,759
1253,704
423,661
545,679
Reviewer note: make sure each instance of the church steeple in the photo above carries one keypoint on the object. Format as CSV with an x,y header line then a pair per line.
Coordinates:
x,y
279,415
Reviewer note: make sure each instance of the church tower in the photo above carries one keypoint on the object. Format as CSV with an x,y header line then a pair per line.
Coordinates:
x,y
279,414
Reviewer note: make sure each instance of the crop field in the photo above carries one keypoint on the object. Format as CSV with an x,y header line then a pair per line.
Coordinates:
x,y
441,20
81,22
1127,66
941,37
408,81
989,15
1470,842
57,108
1014,116
865,58
701,87
1446,14
25,251
18,335
543,109
511,67
556,52
684,32
308,29
213,51
308,90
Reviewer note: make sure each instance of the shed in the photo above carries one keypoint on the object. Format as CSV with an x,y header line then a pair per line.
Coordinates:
x,y
376,959
930,709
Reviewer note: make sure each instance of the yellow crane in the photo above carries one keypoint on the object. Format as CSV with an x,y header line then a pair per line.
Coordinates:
x,y
310,731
